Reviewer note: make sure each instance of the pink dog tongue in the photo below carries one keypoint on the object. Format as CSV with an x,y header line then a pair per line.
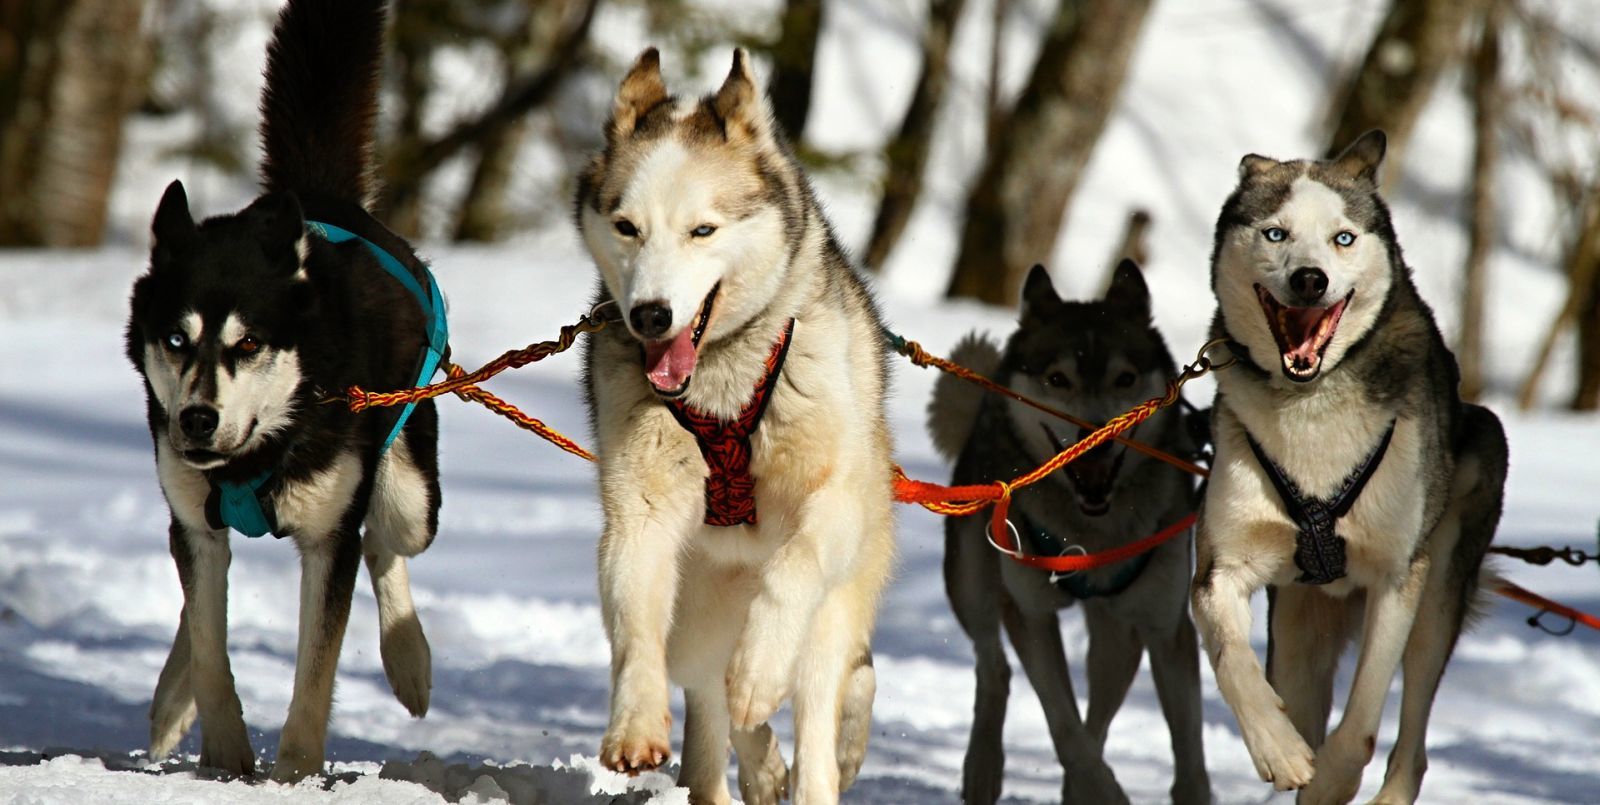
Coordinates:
x,y
668,364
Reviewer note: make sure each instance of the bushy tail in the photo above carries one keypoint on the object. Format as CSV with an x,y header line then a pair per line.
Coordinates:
x,y
1481,462
321,98
954,407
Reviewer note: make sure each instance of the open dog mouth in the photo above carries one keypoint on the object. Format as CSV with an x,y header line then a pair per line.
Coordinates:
x,y
1302,333
668,364
1093,475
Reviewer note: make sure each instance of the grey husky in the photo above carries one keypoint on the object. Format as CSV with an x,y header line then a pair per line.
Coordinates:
x,y
745,470
1349,478
1095,359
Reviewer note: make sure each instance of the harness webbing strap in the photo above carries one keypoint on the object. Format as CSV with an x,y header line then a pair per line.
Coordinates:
x,y
238,505
1075,583
430,299
1318,550
725,446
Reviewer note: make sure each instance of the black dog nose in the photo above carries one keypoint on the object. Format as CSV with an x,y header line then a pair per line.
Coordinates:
x,y
198,422
1308,283
651,319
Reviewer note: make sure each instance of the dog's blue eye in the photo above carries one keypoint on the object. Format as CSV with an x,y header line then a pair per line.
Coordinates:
x,y
1274,234
702,231
626,228
1345,238
177,339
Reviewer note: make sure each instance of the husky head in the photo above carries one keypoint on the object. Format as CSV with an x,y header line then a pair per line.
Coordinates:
x,y
214,324
1095,359
1304,258
692,213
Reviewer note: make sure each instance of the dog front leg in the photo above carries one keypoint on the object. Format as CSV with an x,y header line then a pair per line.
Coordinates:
x,y
223,742
173,708
1391,610
638,564
1221,599
327,579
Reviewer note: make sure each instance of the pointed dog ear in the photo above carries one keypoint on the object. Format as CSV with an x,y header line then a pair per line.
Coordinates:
x,y
1255,165
741,104
1039,299
1128,289
173,227
641,89
1362,158
279,226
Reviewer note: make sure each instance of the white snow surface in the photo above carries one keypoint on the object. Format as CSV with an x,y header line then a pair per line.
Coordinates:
x,y
89,598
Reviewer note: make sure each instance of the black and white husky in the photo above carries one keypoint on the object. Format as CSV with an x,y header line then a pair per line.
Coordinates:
x,y
1096,359
1349,479
242,324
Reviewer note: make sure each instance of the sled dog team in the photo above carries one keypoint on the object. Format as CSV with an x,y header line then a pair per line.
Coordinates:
x,y
738,408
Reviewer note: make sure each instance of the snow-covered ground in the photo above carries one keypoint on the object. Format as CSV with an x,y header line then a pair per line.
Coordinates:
x,y
89,598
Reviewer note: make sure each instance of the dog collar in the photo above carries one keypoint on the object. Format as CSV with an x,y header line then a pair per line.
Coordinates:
x,y
725,446
1318,550
1040,542
244,506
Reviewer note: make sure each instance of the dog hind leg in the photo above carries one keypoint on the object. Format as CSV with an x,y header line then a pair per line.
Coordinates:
x,y
855,719
173,708
972,582
327,579
1308,633
1175,669
763,776
407,660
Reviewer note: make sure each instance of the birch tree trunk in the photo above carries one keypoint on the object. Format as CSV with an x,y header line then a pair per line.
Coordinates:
x,y
1486,103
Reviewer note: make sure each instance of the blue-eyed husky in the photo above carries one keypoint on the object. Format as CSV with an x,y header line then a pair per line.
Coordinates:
x,y
241,325
1349,478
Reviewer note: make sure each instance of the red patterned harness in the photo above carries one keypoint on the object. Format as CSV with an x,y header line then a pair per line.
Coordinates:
x,y
730,488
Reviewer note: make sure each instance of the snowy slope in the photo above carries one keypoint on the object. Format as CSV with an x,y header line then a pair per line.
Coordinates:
x,y
89,599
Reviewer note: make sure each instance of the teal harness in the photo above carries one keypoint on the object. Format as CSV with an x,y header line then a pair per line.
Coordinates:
x,y
246,506
1043,543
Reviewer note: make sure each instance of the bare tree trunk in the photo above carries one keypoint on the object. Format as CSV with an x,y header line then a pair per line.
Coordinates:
x,y
907,153
994,112
410,163
62,129
1015,209
792,58
1486,102
1587,395
1583,274
1416,42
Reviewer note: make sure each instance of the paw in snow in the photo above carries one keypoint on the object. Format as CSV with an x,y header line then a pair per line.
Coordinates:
x,y
637,742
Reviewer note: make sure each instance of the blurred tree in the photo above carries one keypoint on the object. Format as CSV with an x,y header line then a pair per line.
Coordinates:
x,y
1015,208
793,58
1582,306
1416,42
907,153
64,92
413,156
1484,86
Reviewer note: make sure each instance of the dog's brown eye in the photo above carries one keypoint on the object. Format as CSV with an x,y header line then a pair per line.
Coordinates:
x,y
247,345
626,228
1125,380
1058,380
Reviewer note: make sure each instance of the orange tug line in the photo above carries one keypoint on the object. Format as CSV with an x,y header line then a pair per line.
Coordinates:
x,y
950,501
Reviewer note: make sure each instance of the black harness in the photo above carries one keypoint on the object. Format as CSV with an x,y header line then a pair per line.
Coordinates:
x,y
1318,551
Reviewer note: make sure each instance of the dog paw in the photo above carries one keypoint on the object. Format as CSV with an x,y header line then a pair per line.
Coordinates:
x,y
980,778
637,742
758,681
408,664
1338,778
170,720
764,780
296,762
1280,755
227,749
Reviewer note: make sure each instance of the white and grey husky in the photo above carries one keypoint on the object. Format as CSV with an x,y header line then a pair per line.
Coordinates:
x,y
1096,359
241,325
1349,479
744,454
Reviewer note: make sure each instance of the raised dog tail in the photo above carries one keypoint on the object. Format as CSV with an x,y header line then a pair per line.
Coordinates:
x,y
953,411
320,102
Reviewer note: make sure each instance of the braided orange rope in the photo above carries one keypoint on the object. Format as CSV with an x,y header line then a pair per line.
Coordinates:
x,y
914,352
